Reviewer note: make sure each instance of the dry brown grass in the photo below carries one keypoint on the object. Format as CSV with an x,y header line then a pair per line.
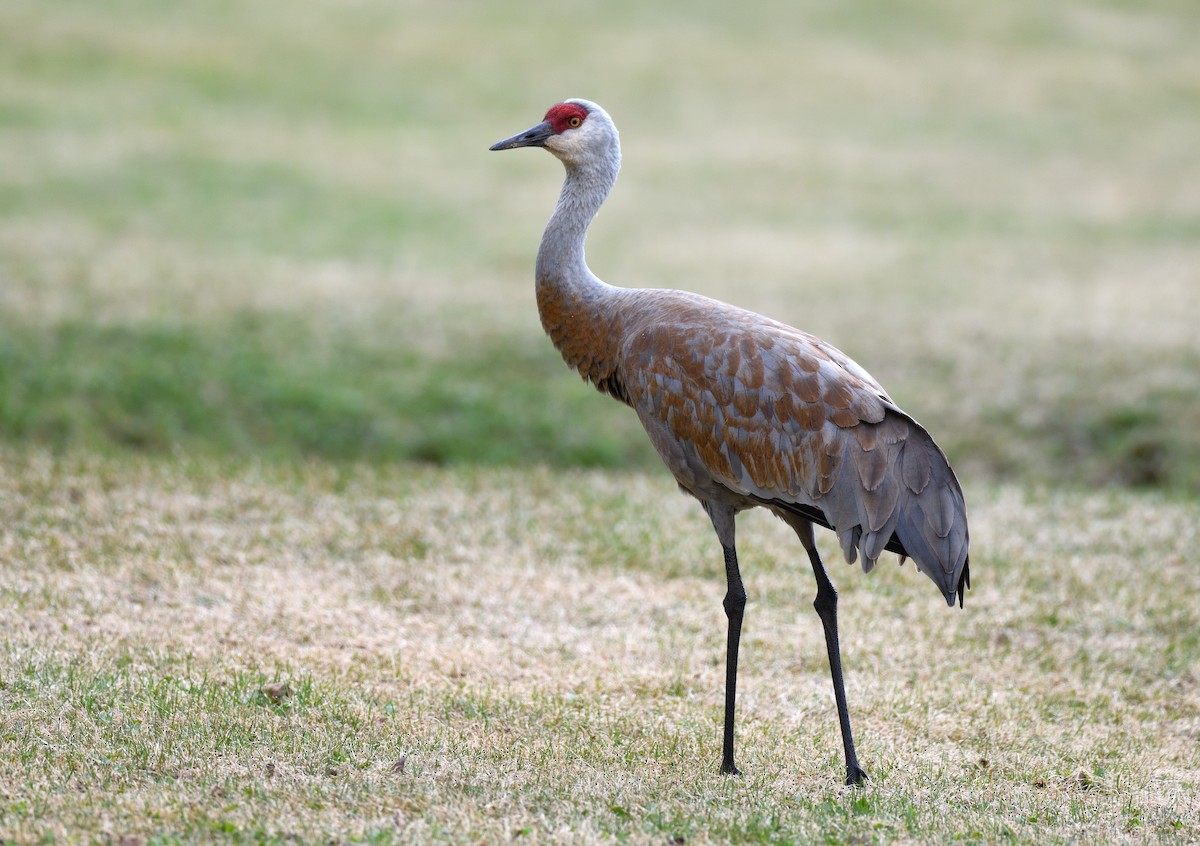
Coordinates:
x,y
472,655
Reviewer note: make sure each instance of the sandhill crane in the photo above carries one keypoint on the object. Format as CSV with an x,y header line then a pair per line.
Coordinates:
x,y
744,411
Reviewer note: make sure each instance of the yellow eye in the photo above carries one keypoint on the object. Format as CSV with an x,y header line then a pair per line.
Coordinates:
x,y
574,122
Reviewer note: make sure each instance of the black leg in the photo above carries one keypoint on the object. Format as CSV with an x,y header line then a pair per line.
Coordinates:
x,y
826,605
735,604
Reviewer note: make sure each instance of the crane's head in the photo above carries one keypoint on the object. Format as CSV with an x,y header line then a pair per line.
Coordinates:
x,y
576,131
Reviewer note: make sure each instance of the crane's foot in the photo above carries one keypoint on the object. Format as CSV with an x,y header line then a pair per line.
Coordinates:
x,y
727,768
855,776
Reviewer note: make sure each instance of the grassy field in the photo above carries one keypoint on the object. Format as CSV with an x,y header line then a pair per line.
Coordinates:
x,y
307,536
199,652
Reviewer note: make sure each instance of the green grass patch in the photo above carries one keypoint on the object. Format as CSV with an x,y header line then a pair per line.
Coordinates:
x,y
258,387
268,385
1079,438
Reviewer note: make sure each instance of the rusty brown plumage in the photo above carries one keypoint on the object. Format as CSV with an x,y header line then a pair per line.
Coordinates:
x,y
745,411
765,411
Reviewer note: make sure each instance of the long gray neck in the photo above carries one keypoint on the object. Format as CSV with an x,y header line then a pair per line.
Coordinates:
x,y
560,259
578,311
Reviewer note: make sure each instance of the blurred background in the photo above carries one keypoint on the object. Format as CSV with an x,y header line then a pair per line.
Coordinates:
x,y
273,229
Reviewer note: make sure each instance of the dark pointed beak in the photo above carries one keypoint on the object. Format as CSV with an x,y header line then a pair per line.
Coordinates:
x,y
535,136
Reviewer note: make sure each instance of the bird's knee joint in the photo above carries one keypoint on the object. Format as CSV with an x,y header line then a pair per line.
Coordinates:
x,y
826,601
734,603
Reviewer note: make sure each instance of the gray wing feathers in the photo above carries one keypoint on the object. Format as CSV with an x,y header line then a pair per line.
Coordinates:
x,y
894,480
915,470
